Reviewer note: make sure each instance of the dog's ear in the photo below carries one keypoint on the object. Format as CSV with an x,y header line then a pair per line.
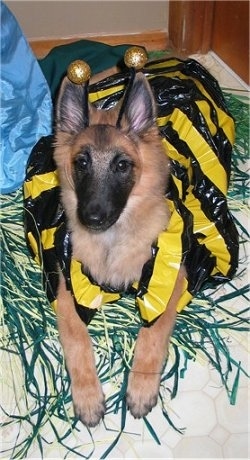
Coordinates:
x,y
70,108
140,110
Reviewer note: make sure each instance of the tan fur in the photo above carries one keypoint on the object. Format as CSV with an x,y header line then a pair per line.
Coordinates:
x,y
116,256
146,208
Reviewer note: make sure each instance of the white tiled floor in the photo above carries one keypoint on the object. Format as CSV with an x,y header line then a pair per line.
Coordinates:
x,y
225,76
213,427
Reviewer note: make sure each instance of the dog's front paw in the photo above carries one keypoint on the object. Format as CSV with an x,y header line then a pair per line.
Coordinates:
x,y
89,403
142,393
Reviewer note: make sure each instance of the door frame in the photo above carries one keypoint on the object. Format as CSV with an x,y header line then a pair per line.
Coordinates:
x,y
190,26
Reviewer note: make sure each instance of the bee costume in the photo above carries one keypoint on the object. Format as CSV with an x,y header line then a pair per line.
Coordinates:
x,y
198,133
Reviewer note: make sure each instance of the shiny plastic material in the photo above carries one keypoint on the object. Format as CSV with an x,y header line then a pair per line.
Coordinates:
x,y
26,106
198,134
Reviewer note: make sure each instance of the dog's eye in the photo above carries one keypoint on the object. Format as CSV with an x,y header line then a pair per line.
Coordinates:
x,y
123,166
82,161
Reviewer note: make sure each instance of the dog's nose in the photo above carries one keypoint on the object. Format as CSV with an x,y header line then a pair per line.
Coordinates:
x,y
94,219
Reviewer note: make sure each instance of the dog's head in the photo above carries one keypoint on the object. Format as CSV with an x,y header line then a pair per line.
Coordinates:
x,y
101,162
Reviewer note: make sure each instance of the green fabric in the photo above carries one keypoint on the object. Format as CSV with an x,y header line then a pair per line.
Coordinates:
x,y
98,55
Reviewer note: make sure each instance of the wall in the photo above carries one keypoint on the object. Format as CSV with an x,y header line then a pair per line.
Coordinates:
x,y
40,19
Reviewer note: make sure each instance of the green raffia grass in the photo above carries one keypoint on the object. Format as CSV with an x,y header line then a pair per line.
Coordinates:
x,y
38,383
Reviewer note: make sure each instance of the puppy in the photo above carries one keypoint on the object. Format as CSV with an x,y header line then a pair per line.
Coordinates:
x,y
113,180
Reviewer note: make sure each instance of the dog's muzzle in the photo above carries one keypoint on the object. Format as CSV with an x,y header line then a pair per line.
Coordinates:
x,y
96,220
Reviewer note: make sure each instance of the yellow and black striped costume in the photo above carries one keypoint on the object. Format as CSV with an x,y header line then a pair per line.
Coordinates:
x,y
198,134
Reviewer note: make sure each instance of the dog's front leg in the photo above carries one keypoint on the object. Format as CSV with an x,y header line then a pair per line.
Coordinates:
x,y
150,355
87,394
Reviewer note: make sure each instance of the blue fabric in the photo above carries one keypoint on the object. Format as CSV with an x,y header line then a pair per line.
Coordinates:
x,y
26,107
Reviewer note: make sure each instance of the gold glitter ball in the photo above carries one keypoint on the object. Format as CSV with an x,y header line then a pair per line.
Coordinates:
x,y
135,57
78,72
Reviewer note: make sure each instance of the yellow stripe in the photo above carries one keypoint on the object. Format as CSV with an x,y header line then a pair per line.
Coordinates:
x,y
224,120
205,156
93,97
40,183
206,111
34,247
54,305
173,74
179,186
173,154
164,64
87,294
212,238
184,300
47,237
167,264
46,240
227,125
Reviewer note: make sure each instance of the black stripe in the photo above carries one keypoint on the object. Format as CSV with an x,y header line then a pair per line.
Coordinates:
x,y
46,209
214,205
41,159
